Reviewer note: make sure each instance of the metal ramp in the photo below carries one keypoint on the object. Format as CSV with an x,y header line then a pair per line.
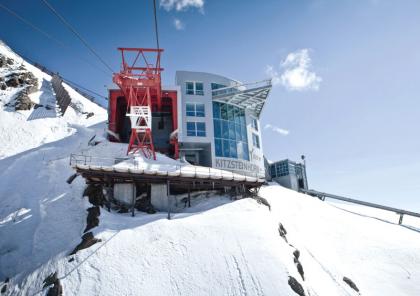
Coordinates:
x,y
62,96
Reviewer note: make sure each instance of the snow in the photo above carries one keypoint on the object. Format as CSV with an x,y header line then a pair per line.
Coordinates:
x,y
216,247
24,130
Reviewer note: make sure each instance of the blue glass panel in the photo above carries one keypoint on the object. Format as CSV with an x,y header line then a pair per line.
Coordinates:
x,y
217,128
238,132
242,116
225,129
233,152
246,152
191,129
201,129
226,148
190,109
199,110
237,114
216,110
219,147
232,131
230,112
190,88
224,111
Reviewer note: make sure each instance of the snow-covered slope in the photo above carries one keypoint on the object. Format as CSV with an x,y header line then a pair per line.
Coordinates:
x,y
26,129
216,247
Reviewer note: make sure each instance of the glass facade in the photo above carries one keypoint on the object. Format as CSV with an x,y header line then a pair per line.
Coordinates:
x,y
284,168
230,134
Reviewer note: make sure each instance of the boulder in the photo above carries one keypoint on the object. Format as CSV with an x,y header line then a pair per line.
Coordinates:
x,y
13,82
88,240
92,218
23,102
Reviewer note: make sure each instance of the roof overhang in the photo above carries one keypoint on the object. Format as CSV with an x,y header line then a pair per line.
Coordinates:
x,y
250,96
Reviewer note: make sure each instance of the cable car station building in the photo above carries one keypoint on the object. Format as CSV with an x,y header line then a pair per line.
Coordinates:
x,y
206,119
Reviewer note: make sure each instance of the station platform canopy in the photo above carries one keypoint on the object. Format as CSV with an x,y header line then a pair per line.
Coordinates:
x,y
246,95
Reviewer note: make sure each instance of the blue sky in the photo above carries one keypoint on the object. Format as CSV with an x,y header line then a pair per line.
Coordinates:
x,y
348,85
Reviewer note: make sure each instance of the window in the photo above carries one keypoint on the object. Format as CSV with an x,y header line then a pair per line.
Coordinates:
x,y
217,86
190,88
255,140
199,90
254,124
194,109
230,136
194,88
196,129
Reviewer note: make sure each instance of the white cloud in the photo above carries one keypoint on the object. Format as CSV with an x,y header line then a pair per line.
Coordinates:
x,y
180,5
179,25
276,129
297,74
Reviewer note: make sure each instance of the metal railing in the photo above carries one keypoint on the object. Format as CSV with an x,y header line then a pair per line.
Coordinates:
x,y
323,195
240,87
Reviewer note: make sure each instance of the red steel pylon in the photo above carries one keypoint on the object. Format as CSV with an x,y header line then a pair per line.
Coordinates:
x,y
139,80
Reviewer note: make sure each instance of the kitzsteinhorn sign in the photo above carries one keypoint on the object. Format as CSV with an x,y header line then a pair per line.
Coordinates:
x,y
236,165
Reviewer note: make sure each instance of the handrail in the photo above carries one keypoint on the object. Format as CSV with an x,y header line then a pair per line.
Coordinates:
x,y
360,202
235,88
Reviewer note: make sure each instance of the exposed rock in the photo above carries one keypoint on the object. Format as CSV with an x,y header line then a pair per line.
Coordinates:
x,y
13,82
145,205
50,280
23,102
4,288
95,194
282,231
3,61
350,283
56,289
10,61
92,218
88,240
3,86
90,114
296,286
296,253
123,209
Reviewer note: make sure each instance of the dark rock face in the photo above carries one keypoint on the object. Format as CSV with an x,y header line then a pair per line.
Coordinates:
x,y
23,102
296,253
282,231
92,218
296,286
95,194
56,289
145,205
88,240
350,283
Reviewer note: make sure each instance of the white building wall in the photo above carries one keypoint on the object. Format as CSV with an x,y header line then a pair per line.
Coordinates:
x,y
256,154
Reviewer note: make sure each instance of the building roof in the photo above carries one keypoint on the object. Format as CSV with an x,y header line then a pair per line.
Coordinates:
x,y
250,95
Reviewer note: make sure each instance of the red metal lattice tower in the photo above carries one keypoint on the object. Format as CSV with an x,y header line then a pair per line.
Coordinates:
x,y
139,80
